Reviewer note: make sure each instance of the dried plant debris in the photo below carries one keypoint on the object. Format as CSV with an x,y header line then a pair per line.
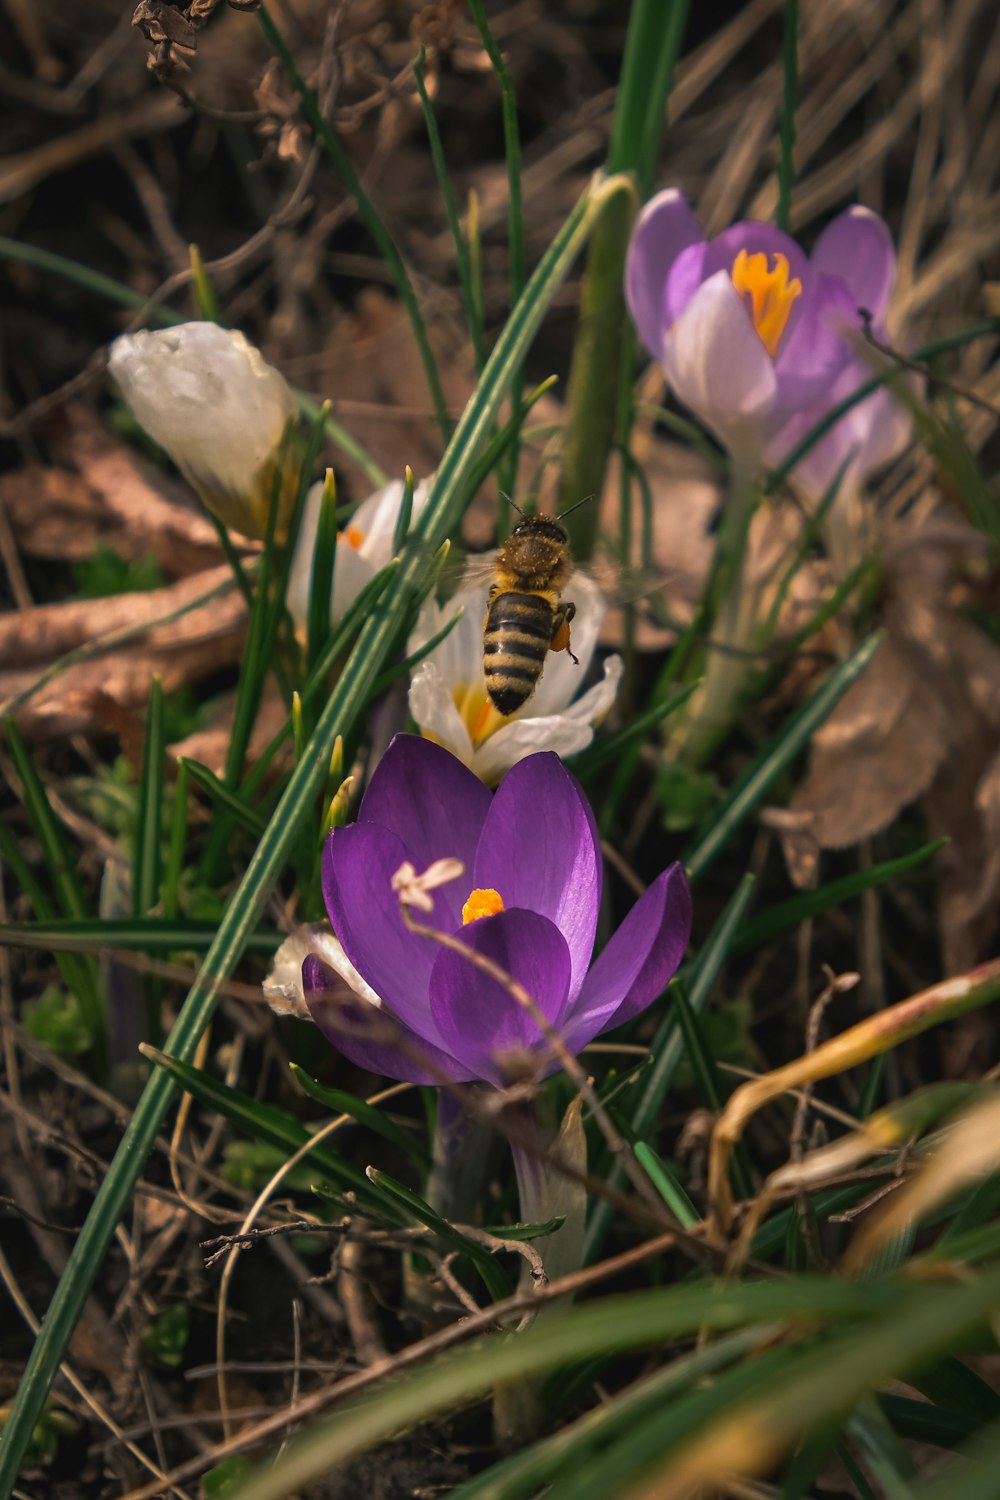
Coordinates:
x,y
172,32
183,634
920,724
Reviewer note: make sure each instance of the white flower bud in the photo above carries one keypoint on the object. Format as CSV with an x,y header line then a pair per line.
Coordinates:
x,y
220,410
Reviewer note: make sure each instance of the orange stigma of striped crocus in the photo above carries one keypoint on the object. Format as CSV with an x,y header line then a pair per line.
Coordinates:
x,y
770,291
482,902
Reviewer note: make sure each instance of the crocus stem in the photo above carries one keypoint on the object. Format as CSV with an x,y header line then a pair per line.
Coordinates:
x,y
735,608
462,1153
594,373
549,1162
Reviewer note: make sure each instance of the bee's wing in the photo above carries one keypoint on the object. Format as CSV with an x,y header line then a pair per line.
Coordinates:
x,y
666,593
471,570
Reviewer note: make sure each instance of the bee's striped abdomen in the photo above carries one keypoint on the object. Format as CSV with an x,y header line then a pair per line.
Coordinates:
x,y
516,639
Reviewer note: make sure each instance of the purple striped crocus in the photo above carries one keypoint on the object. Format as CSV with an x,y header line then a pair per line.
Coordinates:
x,y
528,900
748,328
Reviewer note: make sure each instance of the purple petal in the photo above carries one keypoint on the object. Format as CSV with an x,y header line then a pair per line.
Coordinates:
x,y
870,434
358,865
717,365
753,237
665,227
857,247
540,849
686,275
814,348
478,1020
432,801
642,956
372,1038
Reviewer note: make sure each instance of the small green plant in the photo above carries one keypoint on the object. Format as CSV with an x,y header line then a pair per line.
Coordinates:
x,y
164,1340
55,1019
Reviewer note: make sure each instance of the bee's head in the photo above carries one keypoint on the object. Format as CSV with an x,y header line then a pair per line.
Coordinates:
x,y
541,526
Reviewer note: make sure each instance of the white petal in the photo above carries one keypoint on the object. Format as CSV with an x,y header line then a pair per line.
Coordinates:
x,y
596,701
433,707
300,576
718,366
208,397
521,737
327,947
561,677
459,657
376,519
283,986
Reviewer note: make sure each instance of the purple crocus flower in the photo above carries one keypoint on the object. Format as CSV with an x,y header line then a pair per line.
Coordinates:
x,y
528,900
748,328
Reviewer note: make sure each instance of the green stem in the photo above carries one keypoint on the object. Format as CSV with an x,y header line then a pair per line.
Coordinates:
x,y
602,359
734,610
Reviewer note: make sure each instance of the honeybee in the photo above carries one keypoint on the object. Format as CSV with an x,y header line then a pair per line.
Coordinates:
x,y
526,617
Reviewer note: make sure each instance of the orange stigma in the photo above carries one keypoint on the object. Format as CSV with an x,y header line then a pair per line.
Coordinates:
x,y
482,902
770,292
353,537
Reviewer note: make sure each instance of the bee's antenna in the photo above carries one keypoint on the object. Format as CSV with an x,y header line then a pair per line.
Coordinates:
x,y
512,502
576,506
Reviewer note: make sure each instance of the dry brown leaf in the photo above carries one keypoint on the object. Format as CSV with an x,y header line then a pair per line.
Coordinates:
x,y
375,379
53,513
181,538
921,723
210,636
880,748
209,745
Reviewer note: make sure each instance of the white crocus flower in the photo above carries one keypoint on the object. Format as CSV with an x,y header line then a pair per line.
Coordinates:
x,y
363,547
283,989
220,410
448,696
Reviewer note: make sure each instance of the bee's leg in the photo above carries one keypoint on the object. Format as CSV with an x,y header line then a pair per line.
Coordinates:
x,y
563,614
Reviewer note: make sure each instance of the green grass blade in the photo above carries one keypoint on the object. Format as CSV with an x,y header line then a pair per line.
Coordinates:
x,y
668,1045
80,974
662,1175
138,935
147,865
387,247
788,914
473,311
515,211
599,390
494,1277
262,1122
988,328
400,669
612,1324
707,1080
222,796
74,970
602,752
366,1114
176,843
91,281
348,445
752,785
347,699
520,1476
321,577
